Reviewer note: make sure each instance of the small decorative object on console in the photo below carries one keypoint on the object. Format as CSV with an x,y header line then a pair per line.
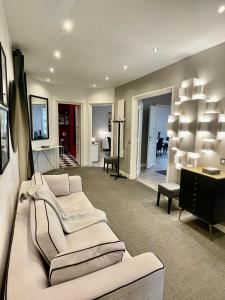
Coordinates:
x,y
211,171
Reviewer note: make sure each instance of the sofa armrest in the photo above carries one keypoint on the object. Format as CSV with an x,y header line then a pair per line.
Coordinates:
x,y
140,277
75,184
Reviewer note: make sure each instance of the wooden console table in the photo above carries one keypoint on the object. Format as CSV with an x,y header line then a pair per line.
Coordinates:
x,y
203,195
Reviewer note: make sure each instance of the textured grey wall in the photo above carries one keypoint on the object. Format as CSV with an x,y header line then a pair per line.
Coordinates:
x,y
208,65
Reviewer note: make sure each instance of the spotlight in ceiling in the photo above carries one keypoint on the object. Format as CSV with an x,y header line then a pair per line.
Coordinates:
x,y
155,49
221,9
48,80
94,85
68,25
107,78
125,67
51,70
57,54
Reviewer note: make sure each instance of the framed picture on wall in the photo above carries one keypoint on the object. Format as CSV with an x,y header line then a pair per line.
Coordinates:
x,y
4,138
109,121
3,78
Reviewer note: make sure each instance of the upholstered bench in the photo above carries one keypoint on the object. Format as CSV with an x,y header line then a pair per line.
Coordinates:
x,y
170,190
110,161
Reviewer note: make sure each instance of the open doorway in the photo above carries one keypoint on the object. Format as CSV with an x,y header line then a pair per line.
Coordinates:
x,y
101,134
154,142
69,118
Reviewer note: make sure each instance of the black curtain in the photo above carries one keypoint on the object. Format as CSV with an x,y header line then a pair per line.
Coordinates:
x,y
21,132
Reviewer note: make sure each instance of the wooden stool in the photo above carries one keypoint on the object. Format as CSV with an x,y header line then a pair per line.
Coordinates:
x,y
170,190
110,161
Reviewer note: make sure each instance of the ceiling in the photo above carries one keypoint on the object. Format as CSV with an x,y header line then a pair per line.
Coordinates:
x,y
108,34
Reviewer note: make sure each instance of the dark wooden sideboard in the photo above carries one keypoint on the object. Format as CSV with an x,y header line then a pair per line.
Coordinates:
x,y
203,195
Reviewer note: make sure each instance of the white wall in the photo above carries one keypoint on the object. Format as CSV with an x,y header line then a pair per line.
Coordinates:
x,y
9,180
100,120
84,97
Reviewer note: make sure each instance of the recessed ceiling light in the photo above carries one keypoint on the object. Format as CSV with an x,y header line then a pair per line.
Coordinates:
x,y
221,9
155,49
48,80
51,70
68,25
125,67
57,54
107,78
94,85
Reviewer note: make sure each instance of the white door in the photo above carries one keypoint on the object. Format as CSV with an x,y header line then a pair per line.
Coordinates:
x,y
152,137
139,137
78,127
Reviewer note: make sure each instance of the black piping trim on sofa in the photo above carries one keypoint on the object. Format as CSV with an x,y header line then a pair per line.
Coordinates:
x,y
84,261
125,285
3,289
49,230
102,244
36,234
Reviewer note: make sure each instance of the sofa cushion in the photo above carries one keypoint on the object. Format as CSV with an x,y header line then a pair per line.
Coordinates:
x,y
46,230
74,202
58,184
73,264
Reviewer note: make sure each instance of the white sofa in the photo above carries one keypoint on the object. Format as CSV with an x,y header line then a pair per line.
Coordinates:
x,y
140,277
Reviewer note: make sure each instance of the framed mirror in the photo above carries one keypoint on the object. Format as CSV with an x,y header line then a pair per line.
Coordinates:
x,y
39,118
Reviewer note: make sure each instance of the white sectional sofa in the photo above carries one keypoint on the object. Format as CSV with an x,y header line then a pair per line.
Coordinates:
x,y
134,278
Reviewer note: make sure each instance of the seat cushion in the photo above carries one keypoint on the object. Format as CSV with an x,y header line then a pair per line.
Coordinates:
x,y
46,230
73,202
169,189
59,185
73,264
92,235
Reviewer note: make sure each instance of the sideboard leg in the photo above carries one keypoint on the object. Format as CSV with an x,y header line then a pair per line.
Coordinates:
x,y
211,232
180,214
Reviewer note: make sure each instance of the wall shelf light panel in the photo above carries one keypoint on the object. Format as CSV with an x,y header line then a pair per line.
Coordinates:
x,y
212,107
192,89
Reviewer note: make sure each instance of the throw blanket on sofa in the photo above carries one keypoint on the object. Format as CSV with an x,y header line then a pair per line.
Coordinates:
x,y
70,222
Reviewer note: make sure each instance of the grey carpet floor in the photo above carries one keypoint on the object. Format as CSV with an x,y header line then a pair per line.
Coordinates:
x,y
195,265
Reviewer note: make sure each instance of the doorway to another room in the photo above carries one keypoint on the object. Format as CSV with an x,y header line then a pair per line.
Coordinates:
x,y
154,142
101,134
69,118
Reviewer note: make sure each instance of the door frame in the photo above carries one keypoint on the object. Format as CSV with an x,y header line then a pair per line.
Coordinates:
x,y
81,125
90,106
135,126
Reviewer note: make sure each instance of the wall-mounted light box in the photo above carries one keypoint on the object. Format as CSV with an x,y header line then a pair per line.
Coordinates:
x,y
208,126
192,89
172,125
212,106
221,127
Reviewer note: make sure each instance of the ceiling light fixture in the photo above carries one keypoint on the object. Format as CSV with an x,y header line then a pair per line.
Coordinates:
x,y
68,25
125,67
48,80
155,49
94,85
107,78
221,9
57,54
51,70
